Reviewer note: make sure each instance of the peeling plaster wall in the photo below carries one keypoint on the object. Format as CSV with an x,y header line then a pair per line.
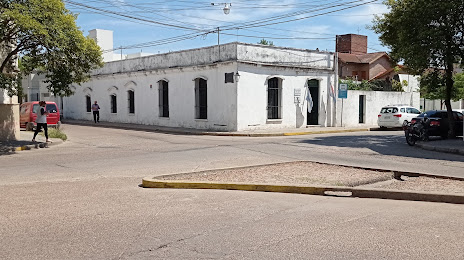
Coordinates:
x,y
226,52
229,108
9,107
285,56
9,117
222,105
194,57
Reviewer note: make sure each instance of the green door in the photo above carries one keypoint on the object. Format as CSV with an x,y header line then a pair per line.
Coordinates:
x,y
313,117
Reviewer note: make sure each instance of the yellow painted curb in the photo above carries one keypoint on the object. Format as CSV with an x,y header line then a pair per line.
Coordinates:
x,y
22,148
313,190
310,190
327,132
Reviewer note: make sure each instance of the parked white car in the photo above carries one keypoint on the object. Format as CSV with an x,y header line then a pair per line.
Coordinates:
x,y
396,115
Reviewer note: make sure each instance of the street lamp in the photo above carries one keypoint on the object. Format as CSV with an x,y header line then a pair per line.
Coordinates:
x,y
237,76
226,8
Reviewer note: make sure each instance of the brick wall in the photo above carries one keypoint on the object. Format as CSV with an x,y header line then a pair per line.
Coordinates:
x,y
351,43
351,69
379,66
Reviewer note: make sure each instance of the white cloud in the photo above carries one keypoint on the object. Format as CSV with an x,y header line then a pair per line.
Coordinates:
x,y
363,15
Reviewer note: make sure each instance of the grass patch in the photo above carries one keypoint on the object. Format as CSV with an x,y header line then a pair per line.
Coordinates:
x,y
56,133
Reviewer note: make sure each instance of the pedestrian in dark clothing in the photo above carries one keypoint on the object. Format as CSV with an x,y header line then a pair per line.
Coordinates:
x,y
96,112
41,121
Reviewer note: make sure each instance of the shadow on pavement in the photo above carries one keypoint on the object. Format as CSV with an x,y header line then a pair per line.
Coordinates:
x,y
7,148
383,144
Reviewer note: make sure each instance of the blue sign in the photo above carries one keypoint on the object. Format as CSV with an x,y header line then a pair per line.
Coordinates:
x,y
343,90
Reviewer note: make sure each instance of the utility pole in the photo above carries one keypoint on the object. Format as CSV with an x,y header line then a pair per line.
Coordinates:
x,y
219,48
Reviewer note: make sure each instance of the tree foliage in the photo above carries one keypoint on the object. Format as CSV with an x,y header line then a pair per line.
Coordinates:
x,y
433,86
266,42
427,35
44,34
375,85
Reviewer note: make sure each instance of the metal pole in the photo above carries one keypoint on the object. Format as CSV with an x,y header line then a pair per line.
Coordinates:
x,y
219,48
342,114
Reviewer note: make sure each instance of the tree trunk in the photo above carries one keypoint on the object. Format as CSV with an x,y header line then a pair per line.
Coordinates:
x,y
449,87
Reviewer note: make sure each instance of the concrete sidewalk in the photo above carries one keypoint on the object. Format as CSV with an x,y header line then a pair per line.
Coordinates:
x,y
254,133
455,146
25,143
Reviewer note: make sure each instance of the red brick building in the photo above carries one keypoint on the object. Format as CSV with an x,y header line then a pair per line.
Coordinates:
x,y
355,62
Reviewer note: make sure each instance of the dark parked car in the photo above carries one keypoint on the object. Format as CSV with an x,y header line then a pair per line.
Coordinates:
x,y
439,123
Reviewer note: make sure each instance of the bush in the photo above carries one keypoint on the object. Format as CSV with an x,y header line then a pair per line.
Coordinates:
x,y
56,133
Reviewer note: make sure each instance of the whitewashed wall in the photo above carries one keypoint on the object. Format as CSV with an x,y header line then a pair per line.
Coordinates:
x,y
437,104
252,97
230,108
221,98
375,100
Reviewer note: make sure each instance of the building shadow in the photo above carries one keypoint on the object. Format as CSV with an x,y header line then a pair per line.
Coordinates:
x,y
394,145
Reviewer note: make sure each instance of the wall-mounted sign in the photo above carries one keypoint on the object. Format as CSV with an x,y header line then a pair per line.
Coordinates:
x,y
296,95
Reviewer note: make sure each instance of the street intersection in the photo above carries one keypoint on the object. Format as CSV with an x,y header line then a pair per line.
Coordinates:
x,y
81,200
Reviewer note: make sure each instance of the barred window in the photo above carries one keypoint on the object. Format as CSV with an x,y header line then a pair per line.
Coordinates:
x,y
131,101
88,103
274,96
114,104
201,99
163,98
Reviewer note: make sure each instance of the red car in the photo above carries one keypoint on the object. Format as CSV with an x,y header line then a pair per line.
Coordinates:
x,y
28,114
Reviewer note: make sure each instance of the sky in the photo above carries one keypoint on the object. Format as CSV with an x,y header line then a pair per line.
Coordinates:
x,y
153,26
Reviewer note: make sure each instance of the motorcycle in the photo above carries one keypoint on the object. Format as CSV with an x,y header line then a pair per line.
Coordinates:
x,y
416,131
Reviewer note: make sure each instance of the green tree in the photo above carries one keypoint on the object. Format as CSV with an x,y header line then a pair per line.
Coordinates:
x,y
427,35
44,34
266,42
458,90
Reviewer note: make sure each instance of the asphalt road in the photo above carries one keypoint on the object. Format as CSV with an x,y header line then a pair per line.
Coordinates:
x,y
94,152
81,200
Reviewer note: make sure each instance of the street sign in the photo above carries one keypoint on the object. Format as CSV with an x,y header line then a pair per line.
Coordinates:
x,y
343,90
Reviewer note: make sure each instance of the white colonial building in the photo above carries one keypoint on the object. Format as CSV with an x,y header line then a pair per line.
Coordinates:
x,y
229,87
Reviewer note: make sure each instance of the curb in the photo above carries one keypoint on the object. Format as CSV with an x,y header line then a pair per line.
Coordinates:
x,y
154,129
440,149
38,145
311,190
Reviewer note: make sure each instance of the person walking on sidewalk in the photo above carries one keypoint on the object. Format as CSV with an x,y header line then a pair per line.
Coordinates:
x,y
96,112
41,121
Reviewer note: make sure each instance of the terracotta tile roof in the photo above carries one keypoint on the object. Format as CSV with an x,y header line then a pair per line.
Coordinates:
x,y
349,58
361,58
383,74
